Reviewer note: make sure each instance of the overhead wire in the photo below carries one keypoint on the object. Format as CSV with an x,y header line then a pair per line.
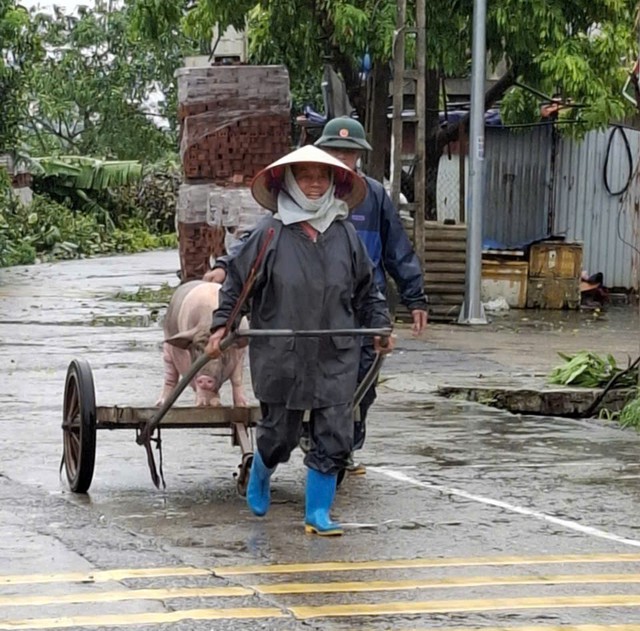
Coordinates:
x,y
605,168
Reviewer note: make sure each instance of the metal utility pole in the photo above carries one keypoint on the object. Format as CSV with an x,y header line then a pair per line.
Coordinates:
x,y
472,310
637,219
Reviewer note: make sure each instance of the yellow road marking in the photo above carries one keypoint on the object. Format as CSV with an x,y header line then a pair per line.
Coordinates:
x,y
444,583
312,588
103,576
460,606
537,627
398,564
327,611
164,617
132,594
350,610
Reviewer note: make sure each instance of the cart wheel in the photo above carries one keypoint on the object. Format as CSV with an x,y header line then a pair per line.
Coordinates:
x,y
79,426
242,477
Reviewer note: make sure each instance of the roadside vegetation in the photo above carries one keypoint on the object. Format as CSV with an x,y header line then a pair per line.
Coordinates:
x,y
71,217
590,370
88,110
98,85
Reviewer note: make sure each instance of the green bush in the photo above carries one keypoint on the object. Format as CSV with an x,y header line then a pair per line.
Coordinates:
x,y
122,214
630,414
134,237
49,230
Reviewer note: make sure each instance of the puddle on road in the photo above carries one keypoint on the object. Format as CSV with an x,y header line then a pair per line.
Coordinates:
x,y
616,317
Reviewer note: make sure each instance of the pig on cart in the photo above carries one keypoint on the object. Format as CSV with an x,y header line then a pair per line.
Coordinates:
x,y
186,332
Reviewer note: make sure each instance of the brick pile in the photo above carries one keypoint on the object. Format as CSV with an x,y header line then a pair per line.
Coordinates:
x,y
234,121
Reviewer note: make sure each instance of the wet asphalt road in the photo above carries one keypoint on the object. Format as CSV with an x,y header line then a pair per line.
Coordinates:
x,y
468,517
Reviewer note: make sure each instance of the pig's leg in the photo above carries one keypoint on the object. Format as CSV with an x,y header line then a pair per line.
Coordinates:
x,y
171,375
237,387
205,398
176,362
214,400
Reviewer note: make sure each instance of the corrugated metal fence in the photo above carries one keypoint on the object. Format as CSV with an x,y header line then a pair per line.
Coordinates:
x,y
585,211
540,184
518,186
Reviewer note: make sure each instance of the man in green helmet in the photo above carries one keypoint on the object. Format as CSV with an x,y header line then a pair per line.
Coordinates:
x,y
378,224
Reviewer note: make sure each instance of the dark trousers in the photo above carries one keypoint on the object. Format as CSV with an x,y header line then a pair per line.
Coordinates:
x,y
331,436
367,357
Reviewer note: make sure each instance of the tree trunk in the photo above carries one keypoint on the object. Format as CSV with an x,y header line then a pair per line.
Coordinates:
x,y
379,134
356,90
438,138
342,64
432,150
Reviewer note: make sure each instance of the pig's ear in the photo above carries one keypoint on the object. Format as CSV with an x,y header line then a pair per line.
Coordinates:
x,y
182,340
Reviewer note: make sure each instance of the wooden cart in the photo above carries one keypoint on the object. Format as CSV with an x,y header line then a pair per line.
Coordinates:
x,y
82,419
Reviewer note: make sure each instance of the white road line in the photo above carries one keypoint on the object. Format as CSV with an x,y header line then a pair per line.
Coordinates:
x,y
532,465
565,523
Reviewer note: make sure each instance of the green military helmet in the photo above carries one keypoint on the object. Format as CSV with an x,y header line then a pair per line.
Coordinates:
x,y
343,133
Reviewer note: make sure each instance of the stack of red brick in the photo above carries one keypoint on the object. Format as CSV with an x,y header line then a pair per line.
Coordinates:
x,y
234,121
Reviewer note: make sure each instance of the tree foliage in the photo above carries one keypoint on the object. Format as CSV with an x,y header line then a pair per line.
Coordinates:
x,y
578,49
102,89
18,49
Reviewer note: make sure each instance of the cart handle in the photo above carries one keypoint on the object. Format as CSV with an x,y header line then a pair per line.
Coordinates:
x,y
229,339
225,343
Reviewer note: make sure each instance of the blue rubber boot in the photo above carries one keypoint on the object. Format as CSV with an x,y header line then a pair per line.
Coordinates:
x,y
259,487
321,489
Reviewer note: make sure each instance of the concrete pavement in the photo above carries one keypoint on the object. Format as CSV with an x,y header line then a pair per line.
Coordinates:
x,y
516,349
446,479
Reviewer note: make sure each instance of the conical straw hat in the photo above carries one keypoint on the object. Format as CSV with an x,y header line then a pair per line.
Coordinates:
x,y
350,187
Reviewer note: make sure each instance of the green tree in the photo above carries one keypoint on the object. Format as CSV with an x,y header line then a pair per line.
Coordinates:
x,y
17,49
102,89
579,49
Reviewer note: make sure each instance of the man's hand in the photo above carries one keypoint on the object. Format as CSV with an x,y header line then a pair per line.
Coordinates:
x,y
216,275
384,347
213,345
420,318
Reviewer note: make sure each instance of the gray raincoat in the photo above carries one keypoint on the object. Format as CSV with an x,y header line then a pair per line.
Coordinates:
x,y
305,284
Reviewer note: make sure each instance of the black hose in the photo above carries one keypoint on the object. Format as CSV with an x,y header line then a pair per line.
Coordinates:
x,y
605,174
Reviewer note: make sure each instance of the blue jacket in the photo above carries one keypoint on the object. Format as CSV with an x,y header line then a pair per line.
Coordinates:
x,y
378,224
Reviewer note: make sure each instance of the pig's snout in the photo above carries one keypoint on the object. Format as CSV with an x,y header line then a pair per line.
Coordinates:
x,y
203,382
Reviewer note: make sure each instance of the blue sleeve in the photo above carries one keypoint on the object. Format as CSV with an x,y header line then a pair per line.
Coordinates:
x,y
399,258
370,304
